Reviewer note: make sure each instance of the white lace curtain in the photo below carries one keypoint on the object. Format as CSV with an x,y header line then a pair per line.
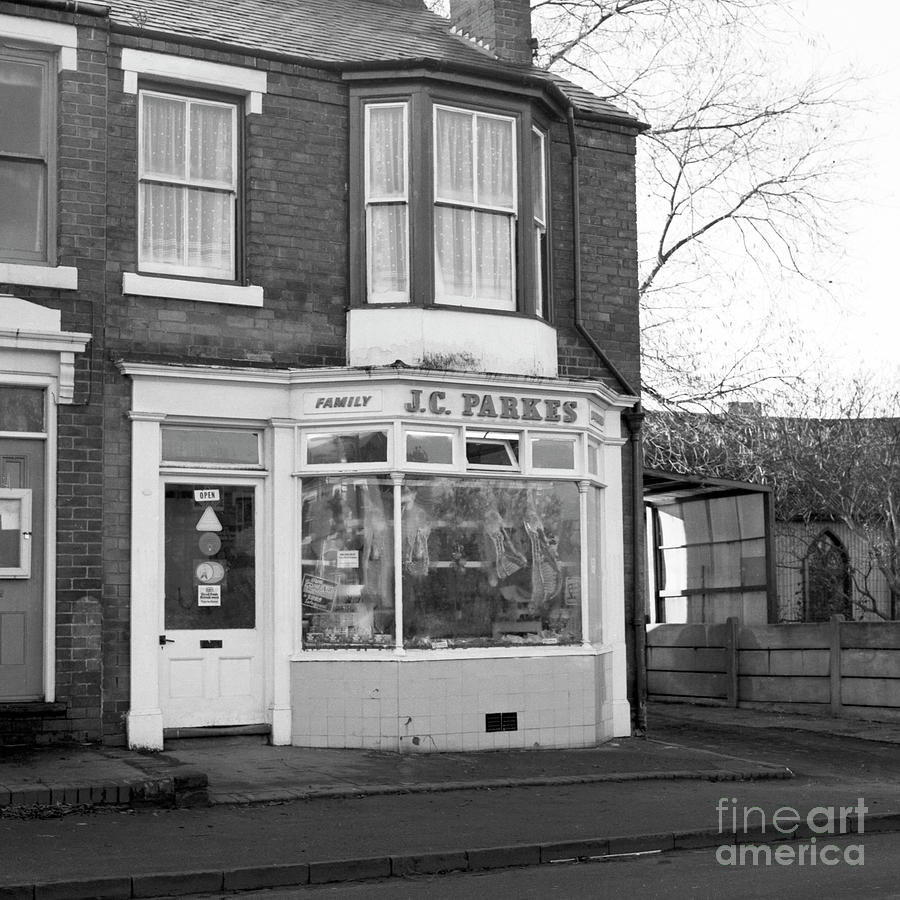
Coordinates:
x,y
23,165
387,208
187,186
475,206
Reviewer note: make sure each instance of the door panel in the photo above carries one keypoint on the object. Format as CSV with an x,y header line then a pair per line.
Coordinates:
x,y
211,670
21,569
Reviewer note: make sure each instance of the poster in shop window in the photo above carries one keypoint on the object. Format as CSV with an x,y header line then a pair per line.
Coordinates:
x,y
318,593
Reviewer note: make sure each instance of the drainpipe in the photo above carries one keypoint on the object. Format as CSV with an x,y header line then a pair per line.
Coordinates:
x,y
634,421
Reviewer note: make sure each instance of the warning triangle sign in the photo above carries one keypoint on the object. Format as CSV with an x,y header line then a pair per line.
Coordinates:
x,y
209,521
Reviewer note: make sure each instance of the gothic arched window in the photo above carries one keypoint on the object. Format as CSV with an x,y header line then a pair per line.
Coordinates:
x,y
826,579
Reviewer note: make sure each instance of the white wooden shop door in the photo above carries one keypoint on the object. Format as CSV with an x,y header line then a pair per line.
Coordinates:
x,y
211,648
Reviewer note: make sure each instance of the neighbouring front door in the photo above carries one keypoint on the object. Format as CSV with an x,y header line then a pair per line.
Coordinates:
x,y
211,669
21,568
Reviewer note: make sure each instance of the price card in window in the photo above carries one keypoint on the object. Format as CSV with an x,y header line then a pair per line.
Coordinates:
x,y
348,559
209,595
573,591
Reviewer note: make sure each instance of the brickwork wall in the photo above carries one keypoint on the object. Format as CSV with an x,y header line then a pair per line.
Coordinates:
x,y
296,247
80,242
609,286
609,277
295,231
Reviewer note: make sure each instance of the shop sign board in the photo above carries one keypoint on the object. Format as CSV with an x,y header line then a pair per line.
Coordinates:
x,y
475,404
342,400
492,406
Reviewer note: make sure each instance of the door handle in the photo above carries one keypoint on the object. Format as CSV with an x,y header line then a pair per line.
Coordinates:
x,y
163,640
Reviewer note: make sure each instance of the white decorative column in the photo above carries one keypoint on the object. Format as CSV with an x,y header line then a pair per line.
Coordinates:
x,y
144,721
282,561
584,573
397,482
613,576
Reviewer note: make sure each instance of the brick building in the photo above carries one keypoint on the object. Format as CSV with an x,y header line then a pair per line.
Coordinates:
x,y
318,348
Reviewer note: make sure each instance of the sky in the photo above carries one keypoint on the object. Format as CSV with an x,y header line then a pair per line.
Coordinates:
x,y
860,329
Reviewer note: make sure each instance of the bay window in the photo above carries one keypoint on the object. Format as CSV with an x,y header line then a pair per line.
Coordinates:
x,y
26,143
454,207
188,186
445,538
474,208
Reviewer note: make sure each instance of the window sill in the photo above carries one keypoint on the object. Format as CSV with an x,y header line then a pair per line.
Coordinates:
x,y
184,289
62,277
390,655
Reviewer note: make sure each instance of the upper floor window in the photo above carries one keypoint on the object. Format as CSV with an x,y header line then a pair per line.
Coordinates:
x,y
26,155
188,186
455,207
387,202
474,208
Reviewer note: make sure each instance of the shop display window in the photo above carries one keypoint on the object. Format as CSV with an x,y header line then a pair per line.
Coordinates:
x,y
490,562
492,448
553,453
210,446
347,552
429,448
346,447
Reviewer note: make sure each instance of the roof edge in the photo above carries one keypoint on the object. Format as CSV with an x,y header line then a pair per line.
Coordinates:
x,y
502,73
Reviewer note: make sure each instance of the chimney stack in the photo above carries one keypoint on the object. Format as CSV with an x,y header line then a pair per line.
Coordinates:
x,y
504,25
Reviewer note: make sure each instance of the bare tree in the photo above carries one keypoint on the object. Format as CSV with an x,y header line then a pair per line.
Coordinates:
x,y
737,175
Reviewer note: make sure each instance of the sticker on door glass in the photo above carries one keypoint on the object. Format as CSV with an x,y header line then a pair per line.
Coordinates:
x,y
209,571
209,595
209,521
209,544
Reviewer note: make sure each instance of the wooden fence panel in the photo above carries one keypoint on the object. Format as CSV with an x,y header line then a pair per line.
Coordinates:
x,y
686,659
870,692
784,637
686,636
708,685
870,635
839,667
777,689
868,663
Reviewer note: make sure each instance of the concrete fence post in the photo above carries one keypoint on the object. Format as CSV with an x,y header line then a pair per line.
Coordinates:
x,y
731,660
834,667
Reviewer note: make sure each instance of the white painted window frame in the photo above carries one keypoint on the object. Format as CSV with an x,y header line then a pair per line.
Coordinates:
x,y
249,83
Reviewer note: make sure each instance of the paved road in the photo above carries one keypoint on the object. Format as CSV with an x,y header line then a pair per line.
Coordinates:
x,y
694,875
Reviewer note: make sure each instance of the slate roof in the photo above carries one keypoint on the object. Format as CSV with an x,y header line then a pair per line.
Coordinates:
x,y
334,33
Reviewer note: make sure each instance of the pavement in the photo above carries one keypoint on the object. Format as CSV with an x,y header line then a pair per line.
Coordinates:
x,y
227,814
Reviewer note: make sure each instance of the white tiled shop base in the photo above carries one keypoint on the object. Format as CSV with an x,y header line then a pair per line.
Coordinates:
x,y
420,705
